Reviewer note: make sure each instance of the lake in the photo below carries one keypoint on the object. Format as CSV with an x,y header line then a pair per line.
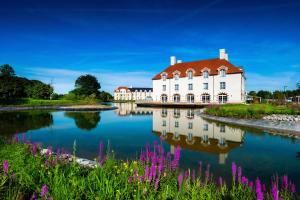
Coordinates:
x,y
128,129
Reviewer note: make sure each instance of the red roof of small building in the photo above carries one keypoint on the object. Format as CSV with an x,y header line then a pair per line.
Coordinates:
x,y
198,66
121,87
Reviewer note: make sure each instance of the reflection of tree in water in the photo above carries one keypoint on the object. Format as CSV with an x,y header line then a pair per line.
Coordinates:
x,y
23,121
85,120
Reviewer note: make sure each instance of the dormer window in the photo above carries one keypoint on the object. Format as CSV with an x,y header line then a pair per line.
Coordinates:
x,y
223,72
205,74
176,76
164,77
190,74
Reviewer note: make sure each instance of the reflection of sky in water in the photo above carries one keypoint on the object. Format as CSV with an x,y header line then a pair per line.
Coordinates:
x,y
129,128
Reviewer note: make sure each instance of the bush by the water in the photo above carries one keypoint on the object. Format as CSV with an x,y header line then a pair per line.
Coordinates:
x,y
251,110
28,174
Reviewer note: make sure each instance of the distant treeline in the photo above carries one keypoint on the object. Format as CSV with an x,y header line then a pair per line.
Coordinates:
x,y
277,94
13,88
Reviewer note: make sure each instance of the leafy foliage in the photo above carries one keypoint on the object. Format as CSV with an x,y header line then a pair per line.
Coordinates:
x,y
87,85
7,71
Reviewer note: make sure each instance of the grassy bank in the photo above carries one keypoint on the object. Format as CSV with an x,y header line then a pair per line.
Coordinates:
x,y
251,111
43,102
26,174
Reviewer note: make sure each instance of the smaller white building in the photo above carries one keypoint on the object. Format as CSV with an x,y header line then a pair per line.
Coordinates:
x,y
124,93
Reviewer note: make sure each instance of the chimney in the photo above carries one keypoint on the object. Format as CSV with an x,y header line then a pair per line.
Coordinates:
x,y
173,60
223,54
179,61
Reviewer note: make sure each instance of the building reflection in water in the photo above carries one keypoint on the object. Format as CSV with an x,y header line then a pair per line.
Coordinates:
x,y
125,109
187,129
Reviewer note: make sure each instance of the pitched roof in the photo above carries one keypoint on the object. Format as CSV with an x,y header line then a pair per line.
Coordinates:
x,y
198,66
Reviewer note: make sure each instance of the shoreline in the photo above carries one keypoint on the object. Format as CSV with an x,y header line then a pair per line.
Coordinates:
x,y
60,107
285,127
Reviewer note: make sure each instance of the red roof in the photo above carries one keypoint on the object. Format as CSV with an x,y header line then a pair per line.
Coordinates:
x,y
121,87
198,66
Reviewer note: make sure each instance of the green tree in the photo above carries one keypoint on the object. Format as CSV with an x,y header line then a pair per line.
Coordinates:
x,y
12,88
7,70
86,85
278,95
252,93
105,96
39,90
85,120
264,94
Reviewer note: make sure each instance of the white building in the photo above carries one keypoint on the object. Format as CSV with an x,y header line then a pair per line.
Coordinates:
x,y
204,81
190,131
123,93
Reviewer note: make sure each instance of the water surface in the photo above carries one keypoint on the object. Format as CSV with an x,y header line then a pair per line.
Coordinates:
x,y
128,129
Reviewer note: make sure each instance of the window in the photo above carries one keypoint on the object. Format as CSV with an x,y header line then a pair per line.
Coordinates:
x,y
205,86
190,98
205,74
190,125
205,127
176,113
222,128
164,98
176,87
190,114
176,124
190,137
190,86
164,77
190,74
176,98
176,76
223,98
205,138
164,123
164,87
176,135
164,112
205,98
222,72
164,133
222,85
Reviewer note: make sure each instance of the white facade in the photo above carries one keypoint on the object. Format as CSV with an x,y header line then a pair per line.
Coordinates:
x,y
132,94
187,129
220,86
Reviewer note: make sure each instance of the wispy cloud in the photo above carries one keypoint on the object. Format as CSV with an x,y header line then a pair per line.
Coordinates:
x,y
63,80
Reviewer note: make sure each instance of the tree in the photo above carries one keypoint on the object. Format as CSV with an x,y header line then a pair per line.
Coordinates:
x,y
12,88
86,85
7,71
264,94
252,93
278,95
39,90
105,96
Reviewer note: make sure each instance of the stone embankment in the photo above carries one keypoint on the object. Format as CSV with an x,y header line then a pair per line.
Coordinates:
x,y
276,117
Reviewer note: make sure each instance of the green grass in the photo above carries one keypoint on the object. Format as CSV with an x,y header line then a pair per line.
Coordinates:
x,y
114,179
252,110
43,102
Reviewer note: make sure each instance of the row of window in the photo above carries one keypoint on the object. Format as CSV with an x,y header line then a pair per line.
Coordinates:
x,y
190,126
223,98
190,86
191,74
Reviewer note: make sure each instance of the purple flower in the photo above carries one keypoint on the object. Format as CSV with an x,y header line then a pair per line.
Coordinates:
x,y
193,176
285,182
130,179
244,180
146,172
293,188
239,174
5,167
142,157
44,190
34,196
175,161
274,192
34,149
233,170
153,172
220,181
258,190
207,174
156,183
180,179
17,138
251,184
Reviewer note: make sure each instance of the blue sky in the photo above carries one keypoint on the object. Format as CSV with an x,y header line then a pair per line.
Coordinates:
x,y
128,42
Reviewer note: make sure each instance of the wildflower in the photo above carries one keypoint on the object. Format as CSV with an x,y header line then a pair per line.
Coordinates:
x,y
285,182
259,193
244,180
180,179
44,190
129,179
146,172
34,149
156,183
233,170
153,172
251,184
17,139
34,196
293,188
274,192
207,172
220,181
5,167
193,176
239,174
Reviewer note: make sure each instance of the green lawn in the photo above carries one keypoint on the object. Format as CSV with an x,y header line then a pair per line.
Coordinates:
x,y
43,102
252,110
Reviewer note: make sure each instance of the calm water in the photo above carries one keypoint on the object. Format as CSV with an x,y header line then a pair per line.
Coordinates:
x,y
128,129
